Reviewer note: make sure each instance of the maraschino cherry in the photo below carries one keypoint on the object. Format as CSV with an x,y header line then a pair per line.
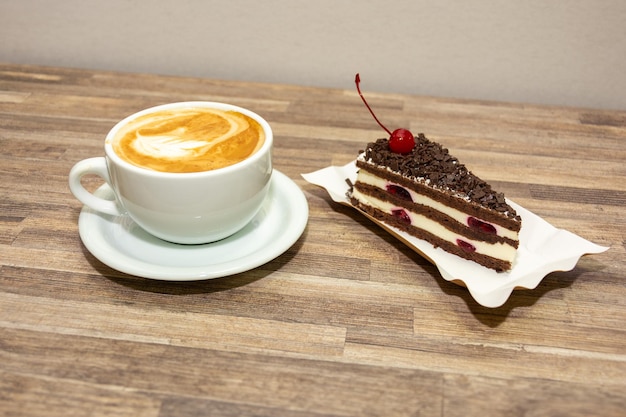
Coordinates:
x,y
400,140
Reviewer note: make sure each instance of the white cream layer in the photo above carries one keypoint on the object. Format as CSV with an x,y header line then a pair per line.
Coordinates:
x,y
495,250
367,178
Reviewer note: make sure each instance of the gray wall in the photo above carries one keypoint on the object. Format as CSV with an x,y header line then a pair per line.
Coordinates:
x,y
559,52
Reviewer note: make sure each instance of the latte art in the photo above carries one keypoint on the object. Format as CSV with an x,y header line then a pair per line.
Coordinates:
x,y
188,140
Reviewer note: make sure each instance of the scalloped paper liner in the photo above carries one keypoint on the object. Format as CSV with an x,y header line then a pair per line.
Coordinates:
x,y
543,248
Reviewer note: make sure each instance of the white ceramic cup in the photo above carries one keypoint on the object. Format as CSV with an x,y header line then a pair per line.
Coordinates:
x,y
185,208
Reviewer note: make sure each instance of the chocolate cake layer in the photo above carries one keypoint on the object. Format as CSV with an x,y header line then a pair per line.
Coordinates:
x,y
487,261
445,220
431,163
443,196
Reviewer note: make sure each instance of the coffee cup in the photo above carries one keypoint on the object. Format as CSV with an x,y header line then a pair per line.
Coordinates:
x,y
187,173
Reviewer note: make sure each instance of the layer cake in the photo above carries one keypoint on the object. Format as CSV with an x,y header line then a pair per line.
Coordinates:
x,y
429,194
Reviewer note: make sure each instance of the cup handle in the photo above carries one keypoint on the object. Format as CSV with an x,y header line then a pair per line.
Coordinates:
x,y
97,166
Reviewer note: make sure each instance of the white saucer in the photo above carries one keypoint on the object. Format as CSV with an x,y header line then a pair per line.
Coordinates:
x,y
119,243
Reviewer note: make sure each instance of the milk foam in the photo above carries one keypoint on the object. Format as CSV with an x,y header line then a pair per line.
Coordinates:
x,y
188,140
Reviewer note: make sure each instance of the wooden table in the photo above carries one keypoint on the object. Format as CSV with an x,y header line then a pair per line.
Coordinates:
x,y
347,322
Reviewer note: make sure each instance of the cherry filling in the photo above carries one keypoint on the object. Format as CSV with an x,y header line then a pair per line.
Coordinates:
x,y
467,247
481,226
399,192
401,215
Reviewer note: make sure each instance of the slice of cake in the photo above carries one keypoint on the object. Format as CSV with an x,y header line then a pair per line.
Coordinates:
x,y
415,185
430,195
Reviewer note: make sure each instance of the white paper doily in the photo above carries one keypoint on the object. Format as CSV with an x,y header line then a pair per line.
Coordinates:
x,y
543,248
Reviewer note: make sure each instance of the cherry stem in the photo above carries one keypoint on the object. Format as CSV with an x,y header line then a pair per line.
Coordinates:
x,y
357,80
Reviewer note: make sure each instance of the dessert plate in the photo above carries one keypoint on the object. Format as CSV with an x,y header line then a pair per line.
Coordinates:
x,y
118,242
542,249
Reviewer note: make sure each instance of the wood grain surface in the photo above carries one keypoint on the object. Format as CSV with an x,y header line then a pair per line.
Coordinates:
x,y
348,321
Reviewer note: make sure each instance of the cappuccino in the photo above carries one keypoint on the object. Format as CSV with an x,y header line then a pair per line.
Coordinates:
x,y
187,140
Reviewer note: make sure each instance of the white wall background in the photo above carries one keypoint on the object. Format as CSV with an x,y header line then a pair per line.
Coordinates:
x,y
558,52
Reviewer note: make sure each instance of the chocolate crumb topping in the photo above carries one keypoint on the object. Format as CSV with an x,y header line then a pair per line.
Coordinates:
x,y
433,164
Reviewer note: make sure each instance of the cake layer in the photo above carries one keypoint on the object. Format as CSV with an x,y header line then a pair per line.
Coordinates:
x,y
421,186
498,256
456,220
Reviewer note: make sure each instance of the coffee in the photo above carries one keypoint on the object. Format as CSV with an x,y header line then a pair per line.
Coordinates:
x,y
167,141
192,139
